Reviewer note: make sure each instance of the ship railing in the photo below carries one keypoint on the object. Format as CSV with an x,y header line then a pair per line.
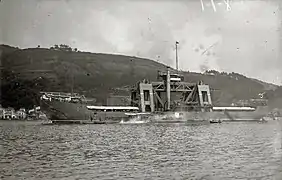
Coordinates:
x,y
63,97
154,83
60,98
234,108
162,73
59,93
62,94
114,108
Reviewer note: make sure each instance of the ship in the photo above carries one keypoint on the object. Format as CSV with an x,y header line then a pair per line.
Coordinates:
x,y
65,106
170,99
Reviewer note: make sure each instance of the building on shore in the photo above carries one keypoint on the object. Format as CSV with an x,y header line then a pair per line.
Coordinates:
x,y
1,112
11,114
35,114
21,113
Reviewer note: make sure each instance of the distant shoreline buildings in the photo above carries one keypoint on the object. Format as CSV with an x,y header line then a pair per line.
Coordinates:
x,y
21,114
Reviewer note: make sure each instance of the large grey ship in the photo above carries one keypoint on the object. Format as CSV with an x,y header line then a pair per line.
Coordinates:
x,y
170,98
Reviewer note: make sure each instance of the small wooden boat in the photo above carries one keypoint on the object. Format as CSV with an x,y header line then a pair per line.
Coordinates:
x,y
215,121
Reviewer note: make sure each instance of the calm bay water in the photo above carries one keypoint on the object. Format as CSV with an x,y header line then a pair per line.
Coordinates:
x,y
30,150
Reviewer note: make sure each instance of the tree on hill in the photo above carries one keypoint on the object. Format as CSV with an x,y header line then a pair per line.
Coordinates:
x,y
237,75
224,73
212,72
63,47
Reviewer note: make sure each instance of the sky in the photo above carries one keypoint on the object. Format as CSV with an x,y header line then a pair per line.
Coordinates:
x,y
243,37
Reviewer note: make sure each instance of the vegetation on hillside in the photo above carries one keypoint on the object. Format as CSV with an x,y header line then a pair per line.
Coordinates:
x,y
26,72
18,92
63,47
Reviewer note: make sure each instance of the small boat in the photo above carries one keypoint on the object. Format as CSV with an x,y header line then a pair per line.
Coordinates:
x,y
136,118
266,118
215,121
47,122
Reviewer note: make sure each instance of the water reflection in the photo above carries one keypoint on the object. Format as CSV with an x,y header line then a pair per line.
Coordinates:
x,y
167,151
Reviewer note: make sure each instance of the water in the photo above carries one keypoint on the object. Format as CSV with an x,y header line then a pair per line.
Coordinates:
x,y
30,150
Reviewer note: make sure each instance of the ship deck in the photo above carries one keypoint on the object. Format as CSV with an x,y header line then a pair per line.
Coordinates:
x,y
78,122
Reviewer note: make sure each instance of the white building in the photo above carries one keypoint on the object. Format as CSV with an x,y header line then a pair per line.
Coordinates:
x,y
21,113
9,113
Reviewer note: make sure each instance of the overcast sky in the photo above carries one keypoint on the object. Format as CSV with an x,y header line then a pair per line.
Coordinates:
x,y
246,38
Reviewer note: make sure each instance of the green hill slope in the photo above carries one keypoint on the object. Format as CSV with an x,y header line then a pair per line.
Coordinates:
x,y
26,72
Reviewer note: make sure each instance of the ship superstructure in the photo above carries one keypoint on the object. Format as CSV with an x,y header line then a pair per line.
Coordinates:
x,y
66,97
171,94
172,97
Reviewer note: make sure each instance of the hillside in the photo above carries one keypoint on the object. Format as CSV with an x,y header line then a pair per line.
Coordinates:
x,y
26,72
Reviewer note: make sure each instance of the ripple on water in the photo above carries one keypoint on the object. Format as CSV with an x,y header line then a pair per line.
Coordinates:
x,y
225,151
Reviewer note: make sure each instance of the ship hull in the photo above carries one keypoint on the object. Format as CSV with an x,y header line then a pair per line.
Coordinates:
x,y
256,115
56,110
66,112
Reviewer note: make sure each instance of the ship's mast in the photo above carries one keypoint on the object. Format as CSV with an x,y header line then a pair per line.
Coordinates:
x,y
176,55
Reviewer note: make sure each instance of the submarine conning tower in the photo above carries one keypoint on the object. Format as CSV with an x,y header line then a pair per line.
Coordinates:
x,y
171,93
